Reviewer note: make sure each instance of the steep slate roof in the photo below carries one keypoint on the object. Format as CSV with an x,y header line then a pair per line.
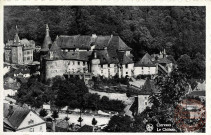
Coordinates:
x,y
107,48
81,56
101,42
16,40
16,117
72,42
123,59
164,60
145,62
116,43
47,41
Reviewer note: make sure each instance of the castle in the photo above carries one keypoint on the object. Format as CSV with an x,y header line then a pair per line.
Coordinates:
x,y
19,51
96,55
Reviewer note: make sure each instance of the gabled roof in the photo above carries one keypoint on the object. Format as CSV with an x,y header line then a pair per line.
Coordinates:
x,y
123,59
145,61
164,60
116,43
16,116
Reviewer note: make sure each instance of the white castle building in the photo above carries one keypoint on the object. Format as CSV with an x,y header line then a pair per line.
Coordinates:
x,y
92,55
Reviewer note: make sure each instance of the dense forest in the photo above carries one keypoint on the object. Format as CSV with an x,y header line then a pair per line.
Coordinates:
x,y
181,30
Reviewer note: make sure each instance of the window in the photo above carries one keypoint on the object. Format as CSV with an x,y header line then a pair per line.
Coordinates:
x,y
28,52
145,97
145,103
31,122
28,58
126,66
73,62
142,68
101,65
84,63
40,128
126,72
101,71
108,65
78,62
31,130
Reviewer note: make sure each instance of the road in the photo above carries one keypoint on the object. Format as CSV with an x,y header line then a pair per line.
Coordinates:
x,y
87,119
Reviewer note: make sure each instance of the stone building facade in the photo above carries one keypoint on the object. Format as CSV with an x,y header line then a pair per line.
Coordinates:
x,y
105,56
99,55
19,51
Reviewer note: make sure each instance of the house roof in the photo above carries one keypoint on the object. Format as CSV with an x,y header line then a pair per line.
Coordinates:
x,y
164,60
123,58
22,69
145,62
107,48
86,41
47,41
16,116
197,93
86,128
116,43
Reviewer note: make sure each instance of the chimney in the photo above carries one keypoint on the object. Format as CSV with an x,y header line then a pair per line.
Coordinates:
x,y
164,53
95,55
94,36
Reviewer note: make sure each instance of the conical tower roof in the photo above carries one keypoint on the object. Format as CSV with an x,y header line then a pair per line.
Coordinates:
x,y
55,46
16,38
47,41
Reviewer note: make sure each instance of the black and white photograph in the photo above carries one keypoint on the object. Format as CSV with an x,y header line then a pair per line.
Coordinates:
x,y
104,69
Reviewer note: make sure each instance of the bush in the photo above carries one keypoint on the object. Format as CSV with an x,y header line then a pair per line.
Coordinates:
x,y
43,113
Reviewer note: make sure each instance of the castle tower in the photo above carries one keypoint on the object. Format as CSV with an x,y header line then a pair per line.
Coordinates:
x,y
47,41
44,51
95,68
17,53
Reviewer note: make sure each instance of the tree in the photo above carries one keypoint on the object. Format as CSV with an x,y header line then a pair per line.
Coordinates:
x,y
80,120
55,114
43,113
184,65
119,123
94,122
68,91
181,30
198,67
